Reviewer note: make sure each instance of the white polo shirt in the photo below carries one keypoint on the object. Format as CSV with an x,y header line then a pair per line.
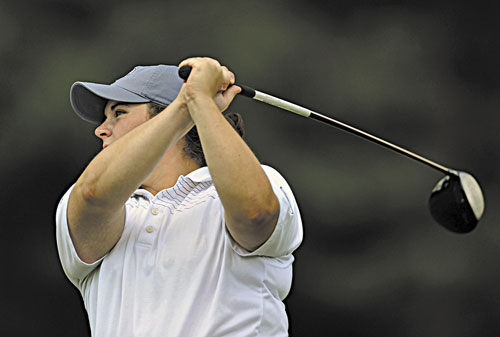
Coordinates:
x,y
176,271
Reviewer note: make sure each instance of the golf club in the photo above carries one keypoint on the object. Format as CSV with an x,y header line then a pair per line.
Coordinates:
x,y
456,202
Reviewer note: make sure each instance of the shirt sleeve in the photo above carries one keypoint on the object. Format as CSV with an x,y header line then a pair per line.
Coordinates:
x,y
74,268
288,233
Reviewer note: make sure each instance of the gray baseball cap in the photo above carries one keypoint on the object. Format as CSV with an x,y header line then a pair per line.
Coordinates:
x,y
158,84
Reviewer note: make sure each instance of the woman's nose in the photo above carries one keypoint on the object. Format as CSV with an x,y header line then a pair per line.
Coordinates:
x,y
102,131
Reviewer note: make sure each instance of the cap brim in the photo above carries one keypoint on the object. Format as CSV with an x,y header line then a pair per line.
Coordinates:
x,y
89,99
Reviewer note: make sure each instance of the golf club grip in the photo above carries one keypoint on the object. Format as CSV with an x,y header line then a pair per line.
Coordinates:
x,y
184,72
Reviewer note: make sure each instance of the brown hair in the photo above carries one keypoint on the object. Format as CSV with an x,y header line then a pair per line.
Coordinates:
x,y
192,144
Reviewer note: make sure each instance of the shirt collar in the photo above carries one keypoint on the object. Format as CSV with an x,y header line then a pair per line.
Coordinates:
x,y
199,175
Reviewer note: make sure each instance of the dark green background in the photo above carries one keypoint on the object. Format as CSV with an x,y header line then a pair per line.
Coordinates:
x,y
422,74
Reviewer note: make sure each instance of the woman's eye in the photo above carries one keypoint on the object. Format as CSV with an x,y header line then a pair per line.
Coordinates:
x,y
120,112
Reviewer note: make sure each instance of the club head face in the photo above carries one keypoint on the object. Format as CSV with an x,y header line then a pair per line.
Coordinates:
x,y
457,202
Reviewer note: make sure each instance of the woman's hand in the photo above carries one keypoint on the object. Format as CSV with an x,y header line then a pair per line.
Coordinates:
x,y
209,78
223,99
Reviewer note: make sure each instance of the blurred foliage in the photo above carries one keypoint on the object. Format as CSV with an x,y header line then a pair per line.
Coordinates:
x,y
423,74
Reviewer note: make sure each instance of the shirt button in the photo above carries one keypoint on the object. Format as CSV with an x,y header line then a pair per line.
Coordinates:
x,y
149,229
155,211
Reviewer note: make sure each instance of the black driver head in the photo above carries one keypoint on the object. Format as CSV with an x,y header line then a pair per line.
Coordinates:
x,y
457,202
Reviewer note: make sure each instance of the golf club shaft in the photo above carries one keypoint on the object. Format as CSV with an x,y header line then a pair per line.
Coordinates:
x,y
297,109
